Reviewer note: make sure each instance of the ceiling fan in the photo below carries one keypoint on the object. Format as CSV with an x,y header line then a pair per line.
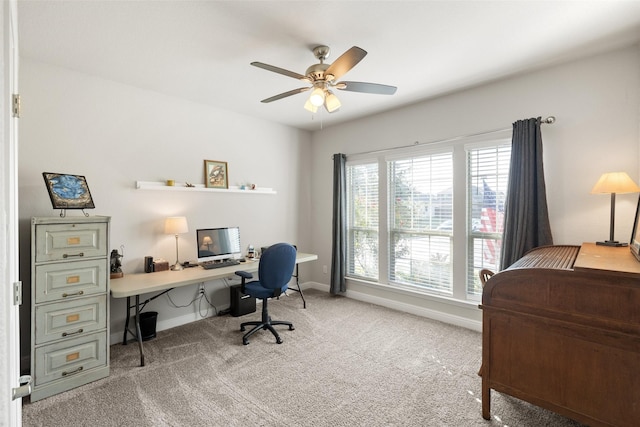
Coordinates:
x,y
323,79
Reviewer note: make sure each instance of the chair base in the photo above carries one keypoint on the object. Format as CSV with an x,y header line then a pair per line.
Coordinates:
x,y
265,323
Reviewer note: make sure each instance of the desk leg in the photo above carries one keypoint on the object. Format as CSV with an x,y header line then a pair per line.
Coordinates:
x,y
138,332
126,322
299,290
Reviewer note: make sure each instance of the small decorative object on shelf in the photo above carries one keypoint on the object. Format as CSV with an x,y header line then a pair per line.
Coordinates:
x,y
171,182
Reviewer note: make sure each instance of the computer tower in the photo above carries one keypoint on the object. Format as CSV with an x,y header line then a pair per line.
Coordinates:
x,y
241,304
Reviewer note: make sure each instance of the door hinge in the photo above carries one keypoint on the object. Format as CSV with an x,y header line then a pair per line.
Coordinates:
x,y
15,102
24,389
17,293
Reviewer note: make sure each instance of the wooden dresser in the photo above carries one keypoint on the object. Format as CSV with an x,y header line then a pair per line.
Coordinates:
x,y
69,303
561,330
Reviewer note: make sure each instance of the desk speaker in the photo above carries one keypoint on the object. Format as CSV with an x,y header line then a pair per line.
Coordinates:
x,y
241,304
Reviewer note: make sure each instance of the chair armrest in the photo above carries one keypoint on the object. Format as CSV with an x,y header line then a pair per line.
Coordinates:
x,y
245,275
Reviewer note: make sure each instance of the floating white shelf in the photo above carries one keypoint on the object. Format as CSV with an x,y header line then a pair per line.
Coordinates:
x,y
179,186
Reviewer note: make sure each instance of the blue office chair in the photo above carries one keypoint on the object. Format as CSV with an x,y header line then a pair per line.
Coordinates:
x,y
274,273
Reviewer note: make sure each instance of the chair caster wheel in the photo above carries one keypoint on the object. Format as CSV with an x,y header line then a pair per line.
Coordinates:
x,y
279,341
245,342
291,328
242,328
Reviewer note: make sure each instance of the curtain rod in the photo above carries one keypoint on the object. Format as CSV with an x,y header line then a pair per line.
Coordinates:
x,y
549,120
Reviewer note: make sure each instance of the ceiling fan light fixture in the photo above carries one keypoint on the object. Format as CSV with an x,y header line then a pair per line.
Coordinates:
x,y
317,97
332,103
310,107
322,77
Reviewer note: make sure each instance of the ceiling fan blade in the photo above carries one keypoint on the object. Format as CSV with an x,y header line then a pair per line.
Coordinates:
x,y
280,71
286,94
367,88
345,62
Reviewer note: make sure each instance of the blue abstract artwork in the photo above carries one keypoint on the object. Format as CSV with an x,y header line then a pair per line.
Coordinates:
x,y
68,191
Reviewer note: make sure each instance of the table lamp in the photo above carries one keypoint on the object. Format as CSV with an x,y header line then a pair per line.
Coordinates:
x,y
614,182
176,225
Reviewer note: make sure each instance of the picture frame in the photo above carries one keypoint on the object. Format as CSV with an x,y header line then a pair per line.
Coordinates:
x,y
215,174
68,191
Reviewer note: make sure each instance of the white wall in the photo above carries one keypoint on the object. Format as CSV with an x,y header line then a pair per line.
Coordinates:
x,y
596,102
116,134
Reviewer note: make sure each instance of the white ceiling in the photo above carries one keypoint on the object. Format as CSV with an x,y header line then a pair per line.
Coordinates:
x,y
201,50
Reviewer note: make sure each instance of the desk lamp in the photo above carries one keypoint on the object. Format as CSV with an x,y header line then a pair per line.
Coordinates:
x,y
614,182
176,225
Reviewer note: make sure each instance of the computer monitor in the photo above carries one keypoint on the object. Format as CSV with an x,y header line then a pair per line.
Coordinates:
x,y
218,243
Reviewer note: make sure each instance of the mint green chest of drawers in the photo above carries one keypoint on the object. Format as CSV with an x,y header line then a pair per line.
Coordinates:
x,y
69,303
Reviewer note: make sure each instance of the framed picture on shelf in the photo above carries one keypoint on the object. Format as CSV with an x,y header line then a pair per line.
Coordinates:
x,y
68,191
215,174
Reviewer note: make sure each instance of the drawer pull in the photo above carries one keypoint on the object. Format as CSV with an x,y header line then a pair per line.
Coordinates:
x,y
81,254
75,371
65,295
66,334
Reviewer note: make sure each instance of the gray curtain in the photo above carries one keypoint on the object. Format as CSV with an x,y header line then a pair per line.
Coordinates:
x,y
526,218
339,245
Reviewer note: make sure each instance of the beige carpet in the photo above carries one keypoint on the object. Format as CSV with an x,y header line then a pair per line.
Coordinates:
x,y
347,363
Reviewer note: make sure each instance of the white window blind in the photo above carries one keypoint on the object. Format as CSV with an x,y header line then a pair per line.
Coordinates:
x,y
488,174
362,211
421,221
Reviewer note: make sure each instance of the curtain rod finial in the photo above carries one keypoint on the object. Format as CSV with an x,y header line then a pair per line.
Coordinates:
x,y
549,120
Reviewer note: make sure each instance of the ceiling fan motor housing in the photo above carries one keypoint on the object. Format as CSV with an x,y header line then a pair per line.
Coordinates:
x,y
316,72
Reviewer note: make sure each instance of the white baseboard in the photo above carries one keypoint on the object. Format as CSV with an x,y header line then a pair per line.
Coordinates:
x,y
161,325
407,308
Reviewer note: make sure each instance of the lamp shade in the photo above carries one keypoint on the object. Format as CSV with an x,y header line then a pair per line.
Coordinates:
x,y
310,107
176,225
317,97
615,182
332,102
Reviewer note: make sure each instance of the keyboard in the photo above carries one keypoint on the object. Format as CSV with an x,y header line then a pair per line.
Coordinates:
x,y
219,264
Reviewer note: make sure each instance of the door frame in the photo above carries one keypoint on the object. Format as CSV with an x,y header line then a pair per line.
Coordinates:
x,y
10,409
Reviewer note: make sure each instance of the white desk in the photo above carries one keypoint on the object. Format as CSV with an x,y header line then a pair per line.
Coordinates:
x,y
134,285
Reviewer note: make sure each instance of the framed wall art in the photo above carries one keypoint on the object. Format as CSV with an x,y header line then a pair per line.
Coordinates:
x,y
68,191
215,174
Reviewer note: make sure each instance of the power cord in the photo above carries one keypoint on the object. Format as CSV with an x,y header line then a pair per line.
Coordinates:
x,y
202,295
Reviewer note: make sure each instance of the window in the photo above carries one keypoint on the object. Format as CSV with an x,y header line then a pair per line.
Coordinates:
x,y
362,213
488,174
420,221
428,220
